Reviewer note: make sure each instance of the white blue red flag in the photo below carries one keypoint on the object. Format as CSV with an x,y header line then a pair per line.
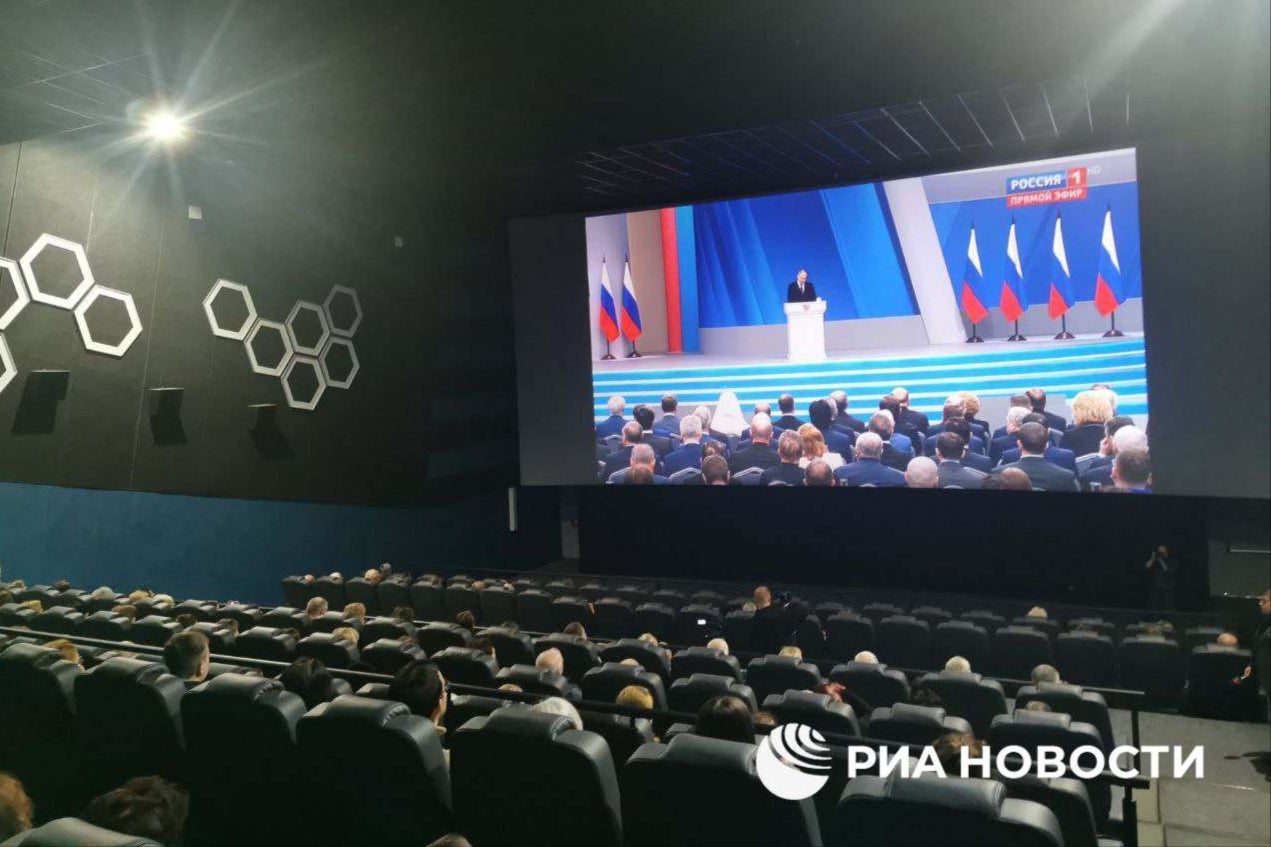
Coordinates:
x,y
1060,278
972,279
1013,301
608,311
1107,285
630,308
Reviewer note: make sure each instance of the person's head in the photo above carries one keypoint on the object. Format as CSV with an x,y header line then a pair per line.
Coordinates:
x,y
882,425
902,396
1044,673
1037,706
1035,417
691,429
1264,602
669,404
922,472
644,416
866,657
840,401
763,409
819,474
811,441
1036,399
103,592
714,448
632,433
870,444
791,651
959,427
186,620
347,633
1091,407
954,407
485,645
575,628
1015,418
560,707
1107,394
950,446
715,471
187,655
15,807
643,455
1132,468
719,645
1008,479
420,685
316,607
891,406
373,575
1033,439
356,610
761,428
640,475
66,648
636,696
405,614
821,413
959,664
228,623
1037,612
763,597
923,696
801,277
703,414
1125,437
949,747
37,607
635,663
728,718
790,447
764,721
970,404
466,619
310,680
785,403
513,687
647,638
616,405
833,689
550,660
126,610
145,807
61,585
1227,639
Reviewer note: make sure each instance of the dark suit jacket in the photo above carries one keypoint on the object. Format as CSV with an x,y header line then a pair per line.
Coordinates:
x,y
1000,444
770,630
754,456
839,442
846,422
611,425
955,473
661,444
1044,475
1055,455
658,479
787,422
1100,475
667,425
897,459
913,421
794,296
616,461
782,472
870,471
978,461
1055,421
687,456
1083,439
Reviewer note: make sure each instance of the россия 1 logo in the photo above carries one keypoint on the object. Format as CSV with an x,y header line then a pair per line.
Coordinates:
x,y
793,762
1049,187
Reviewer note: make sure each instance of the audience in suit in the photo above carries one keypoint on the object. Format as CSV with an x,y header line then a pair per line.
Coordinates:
x,y
1033,440
899,440
921,473
1122,434
785,403
632,435
758,453
1004,439
1132,470
612,425
883,425
814,448
1055,455
868,469
715,471
669,423
971,408
950,450
1037,401
689,454
842,420
1090,411
661,444
790,451
644,465
821,414
910,420
819,474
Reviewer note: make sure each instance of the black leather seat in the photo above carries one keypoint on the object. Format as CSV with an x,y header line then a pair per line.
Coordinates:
x,y
1099,625
688,694
818,711
968,696
498,605
60,619
1152,664
603,683
388,655
848,633
593,591
245,616
1033,729
295,591
360,590
928,810
910,724
828,609
738,624
580,655
464,707
331,590
1195,636
386,767
392,594
933,615
650,656
152,606
1210,691
330,622
615,618
284,617
570,609
461,597
982,617
533,681
64,831
511,766
467,666
1070,802
1016,650
220,639
106,625
706,597
779,674
333,652
656,618
437,636
511,647
877,611
1086,658
698,623
960,638
240,737
698,790
810,637
905,641
872,682
38,743
263,642
1047,625
1148,628
15,614
704,660
559,587
427,601
203,610
128,716
107,601
623,734
47,597
534,610
382,627
669,597
1074,701
153,630
633,594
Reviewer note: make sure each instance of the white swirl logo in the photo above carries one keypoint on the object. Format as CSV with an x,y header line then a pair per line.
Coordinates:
x,y
793,761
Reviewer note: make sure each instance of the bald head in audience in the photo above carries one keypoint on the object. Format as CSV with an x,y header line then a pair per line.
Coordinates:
x,y
870,445
922,473
819,475
550,660
761,428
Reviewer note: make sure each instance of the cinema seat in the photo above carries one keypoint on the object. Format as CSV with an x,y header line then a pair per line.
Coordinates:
x,y
511,647
245,616
388,655
331,590
562,587
47,597
877,611
623,734
533,681
704,660
1069,801
926,810
464,707
89,605
1074,701
509,767
1147,628
382,627
64,831
1046,625
872,682
602,684
534,610
826,610
106,625
580,654
968,696
904,641
498,605
614,618
264,642
329,622
361,590
1016,650
593,591
818,711
1098,625
467,666
229,721
60,619
848,633
960,638
203,610
150,606
779,674
1194,637
698,623
982,617
687,694
153,630
38,740
392,594
461,597
656,618
650,656
697,790
1031,730
331,651
220,640
295,591
737,628
909,724
570,609
15,614
1152,664
427,601
1087,658
382,767
707,598
284,617
437,636
1210,690
810,637
933,615
633,594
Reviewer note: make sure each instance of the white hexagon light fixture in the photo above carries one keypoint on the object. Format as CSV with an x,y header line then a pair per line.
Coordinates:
x,y
308,349
8,370
234,334
281,331
85,272
353,366
81,318
11,276
343,291
311,403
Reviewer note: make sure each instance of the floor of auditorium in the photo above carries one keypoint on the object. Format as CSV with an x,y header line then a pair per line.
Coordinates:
x,y
1230,806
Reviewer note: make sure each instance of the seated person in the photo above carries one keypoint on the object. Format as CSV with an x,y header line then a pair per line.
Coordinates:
x,y
726,717
68,650
1054,455
1090,411
689,453
621,458
1033,440
188,657
759,452
420,685
1037,402
146,807
1132,471
890,406
613,424
951,450
310,680
884,426
819,475
868,467
922,472
1121,437
15,807
561,707
661,444
821,414
715,471
909,420
645,461
790,451
844,421
787,419
669,422
813,443
316,608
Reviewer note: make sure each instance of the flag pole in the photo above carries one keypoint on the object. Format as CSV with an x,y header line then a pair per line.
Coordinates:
x,y
1017,336
1064,334
608,355
1114,332
634,354
974,339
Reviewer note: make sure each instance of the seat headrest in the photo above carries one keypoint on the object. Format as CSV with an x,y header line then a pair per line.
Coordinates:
x,y
807,700
704,680
911,713
375,690
119,670
237,687
1021,631
63,831
1061,689
364,710
33,655
1084,635
713,753
524,722
980,796
1025,717
960,677
864,667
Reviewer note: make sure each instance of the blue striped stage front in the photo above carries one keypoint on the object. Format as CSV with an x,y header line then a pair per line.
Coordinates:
x,y
1061,368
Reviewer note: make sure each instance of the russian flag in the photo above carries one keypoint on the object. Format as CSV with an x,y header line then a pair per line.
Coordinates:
x,y
1107,285
972,278
1060,278
1013,300
608,312
630,308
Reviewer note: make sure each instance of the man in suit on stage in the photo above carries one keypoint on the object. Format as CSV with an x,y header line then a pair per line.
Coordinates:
x,y
1033,440
801,290
612,425
759,453
689,455
868,468
790,450
950,450
785,404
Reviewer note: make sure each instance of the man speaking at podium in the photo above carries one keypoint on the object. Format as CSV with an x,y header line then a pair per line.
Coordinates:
x,y
801,290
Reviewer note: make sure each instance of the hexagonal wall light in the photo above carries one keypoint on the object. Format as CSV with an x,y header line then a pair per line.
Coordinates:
x,y
81,318
11,277
344,293
265,368
223,285
299,403
314,349
85,272
353,363
8,370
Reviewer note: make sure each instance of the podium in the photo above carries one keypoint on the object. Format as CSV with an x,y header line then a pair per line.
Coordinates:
x,y
805,331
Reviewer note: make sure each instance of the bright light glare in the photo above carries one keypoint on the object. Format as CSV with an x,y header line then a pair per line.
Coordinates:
x,y
166,126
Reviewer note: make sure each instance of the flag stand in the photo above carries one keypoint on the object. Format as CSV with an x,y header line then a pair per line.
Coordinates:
x,y
1017,336
608,355
974,339
634,354
1064,334
1114,332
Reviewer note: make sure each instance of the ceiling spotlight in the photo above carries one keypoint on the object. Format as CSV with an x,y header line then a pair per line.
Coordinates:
x,y
166,126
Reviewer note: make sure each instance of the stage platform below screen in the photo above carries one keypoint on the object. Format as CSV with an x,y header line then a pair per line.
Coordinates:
x,y
993,370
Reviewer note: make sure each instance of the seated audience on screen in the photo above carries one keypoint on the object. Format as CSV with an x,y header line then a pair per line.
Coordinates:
x,y
1065,459
971,406
632,435
669,422
843,420
643,415
715,471
689,453
145,807
950,450
868,469
1132,471
910,420
1090,411
922,473
1121,436
612,425
890,407
821,415
642,456
883,425
188,656
974,455
728,718
790,451
759,453
787,419
1033,440
1037,401
813,444
1005,438
819,474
